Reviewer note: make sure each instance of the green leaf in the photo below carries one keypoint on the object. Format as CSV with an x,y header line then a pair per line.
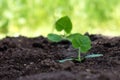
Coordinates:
x,y
65,24
71,36
54,37
82,42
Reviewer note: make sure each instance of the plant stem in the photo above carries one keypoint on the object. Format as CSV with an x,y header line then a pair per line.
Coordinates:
x,y
79,56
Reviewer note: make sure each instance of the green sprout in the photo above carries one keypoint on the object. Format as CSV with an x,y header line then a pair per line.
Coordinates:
x,y
79,41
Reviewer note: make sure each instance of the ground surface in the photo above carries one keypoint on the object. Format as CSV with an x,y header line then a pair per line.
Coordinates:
x,y
24,58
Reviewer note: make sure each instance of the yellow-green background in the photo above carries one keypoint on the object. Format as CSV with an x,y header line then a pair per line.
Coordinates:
x,y
37,17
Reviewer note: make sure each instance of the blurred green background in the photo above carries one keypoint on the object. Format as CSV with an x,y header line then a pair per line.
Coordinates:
x,y
37,17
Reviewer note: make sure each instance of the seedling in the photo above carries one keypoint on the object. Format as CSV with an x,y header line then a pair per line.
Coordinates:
x,y
79,41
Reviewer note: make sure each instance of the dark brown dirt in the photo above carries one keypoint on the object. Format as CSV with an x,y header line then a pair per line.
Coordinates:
x,y
24,58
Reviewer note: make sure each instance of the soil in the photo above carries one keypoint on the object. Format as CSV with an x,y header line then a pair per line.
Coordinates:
x,y
37,58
